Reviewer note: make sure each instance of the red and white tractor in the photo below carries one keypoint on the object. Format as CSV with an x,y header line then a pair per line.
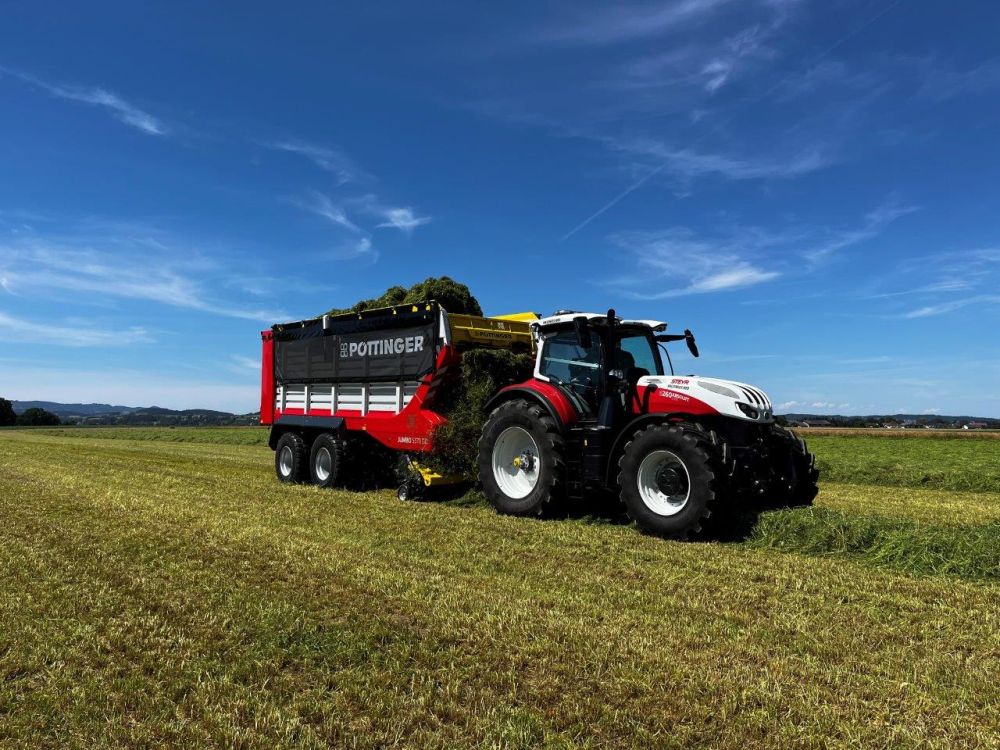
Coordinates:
x,y
600,412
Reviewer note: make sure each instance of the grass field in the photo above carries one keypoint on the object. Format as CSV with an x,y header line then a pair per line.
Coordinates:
x,y
161,588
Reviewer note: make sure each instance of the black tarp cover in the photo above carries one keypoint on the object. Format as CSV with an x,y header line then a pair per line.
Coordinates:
x,y
372,349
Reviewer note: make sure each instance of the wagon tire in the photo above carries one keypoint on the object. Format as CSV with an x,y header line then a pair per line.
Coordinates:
x,y
290,458
326,461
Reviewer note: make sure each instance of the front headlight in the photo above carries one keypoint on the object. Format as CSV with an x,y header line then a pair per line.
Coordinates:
x,y
720,389
748,410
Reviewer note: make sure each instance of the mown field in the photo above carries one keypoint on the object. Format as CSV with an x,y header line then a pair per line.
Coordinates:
x,y
161,588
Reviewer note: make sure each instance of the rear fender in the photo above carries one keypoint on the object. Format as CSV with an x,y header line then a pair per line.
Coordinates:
x,y
545,395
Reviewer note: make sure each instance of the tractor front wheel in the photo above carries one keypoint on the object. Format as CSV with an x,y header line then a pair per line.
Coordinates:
x,y
670,479
521,459
796,478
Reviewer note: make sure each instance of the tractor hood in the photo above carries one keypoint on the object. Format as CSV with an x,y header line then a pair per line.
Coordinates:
x,y
727,397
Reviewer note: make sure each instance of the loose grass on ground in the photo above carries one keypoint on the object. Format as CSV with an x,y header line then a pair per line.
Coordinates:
x,y
165,593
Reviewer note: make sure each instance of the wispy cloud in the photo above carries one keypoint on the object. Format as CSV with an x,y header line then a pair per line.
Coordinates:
x,y
361,248
322,205
242,364
124,270
942,308
627,23
21,331
329,158
123,111
404,219
690,163
941,81
691,265
687,262
874,224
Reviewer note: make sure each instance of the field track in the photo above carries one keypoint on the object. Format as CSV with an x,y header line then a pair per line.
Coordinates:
x,y
163,589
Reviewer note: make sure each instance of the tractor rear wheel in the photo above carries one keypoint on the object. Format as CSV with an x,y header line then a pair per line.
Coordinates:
x,y
671,479
796,478
290,458
326,461
522,462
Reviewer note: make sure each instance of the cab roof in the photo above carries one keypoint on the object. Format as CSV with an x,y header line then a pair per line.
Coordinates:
x,y
566,317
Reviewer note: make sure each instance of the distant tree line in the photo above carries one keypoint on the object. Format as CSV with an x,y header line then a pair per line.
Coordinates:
x,y
27,418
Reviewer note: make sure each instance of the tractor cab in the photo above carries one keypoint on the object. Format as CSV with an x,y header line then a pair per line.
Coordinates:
x,y
599,360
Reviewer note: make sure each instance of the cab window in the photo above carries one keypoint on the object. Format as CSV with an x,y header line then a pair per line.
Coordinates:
x,y
564,360
637,352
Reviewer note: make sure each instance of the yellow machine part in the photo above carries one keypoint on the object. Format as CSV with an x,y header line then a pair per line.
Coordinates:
x,y
525,317
499,332
433,479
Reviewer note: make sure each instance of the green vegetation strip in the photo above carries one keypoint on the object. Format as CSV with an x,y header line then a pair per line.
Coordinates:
x,y
971,552
937,463
162,594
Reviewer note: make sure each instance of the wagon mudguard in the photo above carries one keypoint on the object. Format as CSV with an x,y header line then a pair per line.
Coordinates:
x,y
550,398
317,424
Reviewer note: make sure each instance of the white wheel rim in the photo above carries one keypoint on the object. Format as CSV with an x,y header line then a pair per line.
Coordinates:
x,y
515,462
285,461
664,483
324,464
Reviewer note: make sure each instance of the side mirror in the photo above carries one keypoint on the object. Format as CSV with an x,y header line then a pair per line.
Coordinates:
x,y
582,332
689,340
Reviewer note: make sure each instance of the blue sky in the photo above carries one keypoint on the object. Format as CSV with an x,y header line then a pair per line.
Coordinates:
x,y
810,186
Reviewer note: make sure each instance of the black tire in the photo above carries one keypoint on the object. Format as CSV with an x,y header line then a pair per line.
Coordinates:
x,y
326,461
290,462
796,480
411,484
690,462
549,465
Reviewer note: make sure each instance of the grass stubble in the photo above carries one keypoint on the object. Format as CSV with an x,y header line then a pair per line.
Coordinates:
x,y
172,593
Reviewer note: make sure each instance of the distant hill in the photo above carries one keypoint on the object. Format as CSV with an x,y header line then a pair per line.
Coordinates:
x,y
110,414
939,421
71,409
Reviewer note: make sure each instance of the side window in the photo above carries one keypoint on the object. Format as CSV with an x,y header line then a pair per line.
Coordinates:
x,y
563,359
638,352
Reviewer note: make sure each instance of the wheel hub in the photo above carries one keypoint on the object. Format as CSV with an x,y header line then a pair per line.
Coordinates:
x,y
524,462
670,481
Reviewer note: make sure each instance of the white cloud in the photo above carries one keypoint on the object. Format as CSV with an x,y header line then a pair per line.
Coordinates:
x,y
331,159
21,331
120,109
403,219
